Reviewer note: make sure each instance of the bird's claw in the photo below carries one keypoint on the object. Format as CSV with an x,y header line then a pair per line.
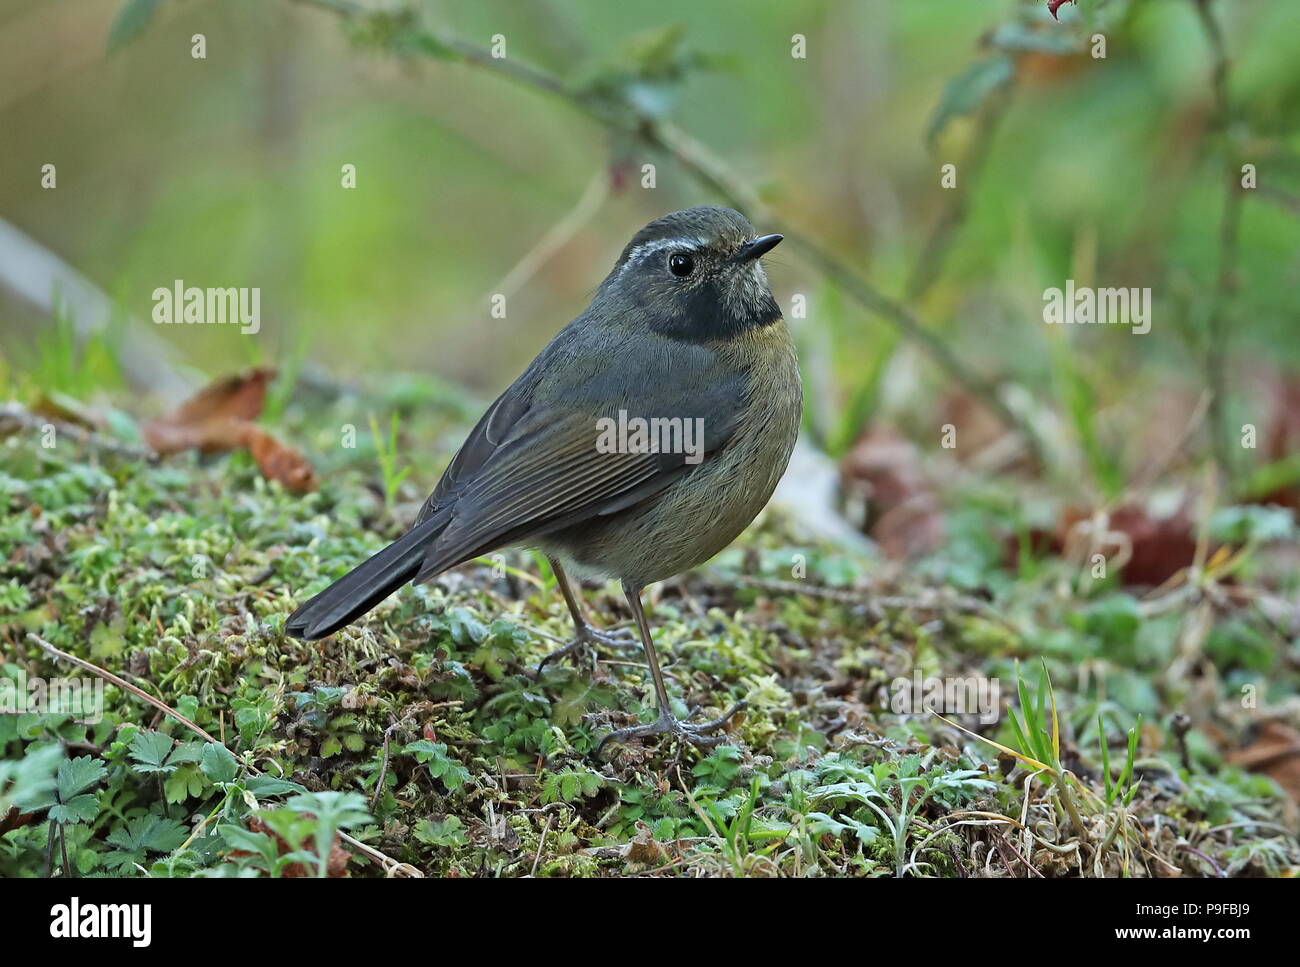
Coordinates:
x,y
587,640
666,724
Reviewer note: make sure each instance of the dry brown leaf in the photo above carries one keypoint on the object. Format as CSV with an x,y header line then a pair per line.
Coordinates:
x,y
213,420
1284,435
59,406
220,418
1276,753
278,461
1283,438
644,851
903,516
1161,546
14,819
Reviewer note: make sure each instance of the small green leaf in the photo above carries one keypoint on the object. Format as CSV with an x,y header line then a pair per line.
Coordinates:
x,y
150,751
78,809
149,832
131,20
259,844
447,833
217,762
440,764
264,786
967,91
77,775
185,782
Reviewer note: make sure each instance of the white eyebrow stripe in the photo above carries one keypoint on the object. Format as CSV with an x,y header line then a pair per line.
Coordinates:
x,y
658,245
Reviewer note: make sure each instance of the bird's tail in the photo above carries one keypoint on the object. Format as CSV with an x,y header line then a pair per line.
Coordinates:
x,y
365,585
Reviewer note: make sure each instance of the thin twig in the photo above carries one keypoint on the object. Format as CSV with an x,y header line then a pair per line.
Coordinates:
x,y
383,772
710,170
119,682
14,416
1213,865
541,843
390,865
559,235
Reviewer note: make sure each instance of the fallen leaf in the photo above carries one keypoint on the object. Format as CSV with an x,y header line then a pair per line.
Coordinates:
x,y
60,406
1276,753
902,514
1284,434
278,461
644,851
1282,446
220,418
14,819
1161,545
1146,546
213,420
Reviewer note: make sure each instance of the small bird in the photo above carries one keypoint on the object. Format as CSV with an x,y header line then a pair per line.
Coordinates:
x,y
640,442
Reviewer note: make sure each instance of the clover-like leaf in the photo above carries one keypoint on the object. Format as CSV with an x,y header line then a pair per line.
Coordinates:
x,y
218,763
150,750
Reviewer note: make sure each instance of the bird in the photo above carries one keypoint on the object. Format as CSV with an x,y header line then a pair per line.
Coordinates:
x,y
642,439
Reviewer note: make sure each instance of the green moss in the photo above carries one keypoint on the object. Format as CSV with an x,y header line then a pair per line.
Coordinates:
x,y
456,758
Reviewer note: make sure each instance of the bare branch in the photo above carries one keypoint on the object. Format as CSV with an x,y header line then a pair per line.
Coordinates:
x,y
711,171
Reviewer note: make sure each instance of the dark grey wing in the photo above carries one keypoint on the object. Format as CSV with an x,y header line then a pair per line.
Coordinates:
x,y
482,442
532,464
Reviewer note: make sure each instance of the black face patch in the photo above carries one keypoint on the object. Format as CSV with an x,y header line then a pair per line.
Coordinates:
x,y
704,314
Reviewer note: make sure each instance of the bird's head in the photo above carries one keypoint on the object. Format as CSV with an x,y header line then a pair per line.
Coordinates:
x,y
694,275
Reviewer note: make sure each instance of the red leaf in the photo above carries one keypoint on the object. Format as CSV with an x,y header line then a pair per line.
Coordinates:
x,y
1055,5
1160,545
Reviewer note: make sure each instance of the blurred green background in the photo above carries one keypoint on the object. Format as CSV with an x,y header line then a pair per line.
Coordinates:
x,y
1145,557
225,171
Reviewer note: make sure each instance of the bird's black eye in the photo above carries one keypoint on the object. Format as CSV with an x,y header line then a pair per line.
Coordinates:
x,y
680,264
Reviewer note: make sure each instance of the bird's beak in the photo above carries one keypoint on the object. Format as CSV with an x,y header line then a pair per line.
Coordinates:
x,y
758,247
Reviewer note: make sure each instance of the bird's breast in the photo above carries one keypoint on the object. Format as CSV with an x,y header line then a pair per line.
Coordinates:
x,y
701,513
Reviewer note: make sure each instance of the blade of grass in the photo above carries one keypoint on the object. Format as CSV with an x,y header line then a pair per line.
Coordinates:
x,y
1027,760
1056,723
1105,758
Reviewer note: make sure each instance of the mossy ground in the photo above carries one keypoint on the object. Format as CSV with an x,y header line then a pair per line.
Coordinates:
x,y
428,715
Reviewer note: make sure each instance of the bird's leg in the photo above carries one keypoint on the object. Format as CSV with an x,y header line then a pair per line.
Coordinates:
x,y
666,723
586,636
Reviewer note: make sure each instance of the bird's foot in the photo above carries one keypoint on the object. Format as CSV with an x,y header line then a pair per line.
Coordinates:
x,y
666,724
587,642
